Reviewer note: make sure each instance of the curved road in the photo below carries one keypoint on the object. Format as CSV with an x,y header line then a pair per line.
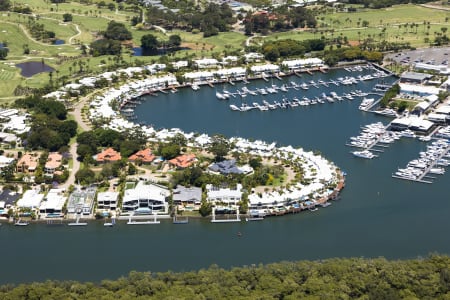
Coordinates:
x,y
76,113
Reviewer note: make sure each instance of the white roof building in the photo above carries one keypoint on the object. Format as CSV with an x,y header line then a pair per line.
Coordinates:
x,y
53,202
303,63
107,200
146,198
231,72
253,56
206,63
180,64
31,199
202,76
227,196
271,68
418,89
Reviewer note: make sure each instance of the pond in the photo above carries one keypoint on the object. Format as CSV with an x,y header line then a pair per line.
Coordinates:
x,y
31,68
58,42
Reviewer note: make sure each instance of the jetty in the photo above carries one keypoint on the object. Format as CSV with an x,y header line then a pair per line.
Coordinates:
x,y
143,222
214,220
77,222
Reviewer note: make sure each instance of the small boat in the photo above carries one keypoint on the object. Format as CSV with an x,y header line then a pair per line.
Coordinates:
x,y
364,154
195,87
108,224
21,223
234,107
239,234
177,220
254,219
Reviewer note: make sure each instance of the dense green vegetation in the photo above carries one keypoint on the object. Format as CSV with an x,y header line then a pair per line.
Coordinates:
x,y
355,278
50,128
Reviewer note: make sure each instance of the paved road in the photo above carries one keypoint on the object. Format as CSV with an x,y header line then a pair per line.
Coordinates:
x,y
73,148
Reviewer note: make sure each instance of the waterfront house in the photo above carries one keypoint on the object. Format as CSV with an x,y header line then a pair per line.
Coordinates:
x,y
9,198
107,201
199,77
107,155
145,156
224,196
53,204
298,64
81,201
187,198
146,198
183,161
54,161
31,199
28,163
265,69
237,73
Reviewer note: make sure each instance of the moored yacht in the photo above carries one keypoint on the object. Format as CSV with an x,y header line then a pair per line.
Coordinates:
x,y
364,154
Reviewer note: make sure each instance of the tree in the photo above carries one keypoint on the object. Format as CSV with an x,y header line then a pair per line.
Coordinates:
x,y
149,43
117,31
174,41
5,5
3,53
67,17
219,146
85,176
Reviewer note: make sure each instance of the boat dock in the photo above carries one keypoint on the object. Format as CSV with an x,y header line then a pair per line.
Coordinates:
x,y
430,162
214,220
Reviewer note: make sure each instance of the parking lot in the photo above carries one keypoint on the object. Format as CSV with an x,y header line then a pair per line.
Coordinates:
x,y
433,56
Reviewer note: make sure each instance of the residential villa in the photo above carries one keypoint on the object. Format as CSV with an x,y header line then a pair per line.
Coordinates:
x,y
146,198
31,199
81,201
107,200
183,161
187,198
145,156
53,204
107,155
54,161
224,197
28,163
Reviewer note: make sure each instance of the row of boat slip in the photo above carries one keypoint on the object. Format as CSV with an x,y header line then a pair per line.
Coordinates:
x,y
273,89
431,161
359,68
375,137
295,102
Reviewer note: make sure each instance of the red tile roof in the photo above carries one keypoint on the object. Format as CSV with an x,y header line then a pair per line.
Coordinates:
x,y
108,155
183,161
145,156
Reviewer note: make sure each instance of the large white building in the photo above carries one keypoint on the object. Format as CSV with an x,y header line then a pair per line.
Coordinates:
x,y
224,196
107,200
146,198
53,204
31,199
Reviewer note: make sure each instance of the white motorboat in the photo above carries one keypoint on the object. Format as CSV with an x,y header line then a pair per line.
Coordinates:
x,y
364,154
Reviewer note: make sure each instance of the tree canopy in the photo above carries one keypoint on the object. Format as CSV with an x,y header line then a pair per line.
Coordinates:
x,y
351,278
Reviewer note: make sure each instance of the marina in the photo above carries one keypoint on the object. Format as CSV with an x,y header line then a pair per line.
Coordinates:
x,y
385,211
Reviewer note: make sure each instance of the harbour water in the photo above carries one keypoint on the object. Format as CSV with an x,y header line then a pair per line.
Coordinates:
x,y
376,215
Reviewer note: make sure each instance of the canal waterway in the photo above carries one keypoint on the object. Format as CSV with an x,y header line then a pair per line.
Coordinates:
x,y
376,215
